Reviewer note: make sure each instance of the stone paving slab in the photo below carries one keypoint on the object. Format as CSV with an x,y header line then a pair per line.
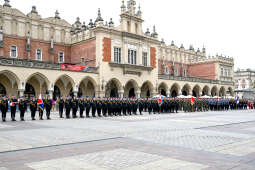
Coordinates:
x,y
211,140
239,148
119,159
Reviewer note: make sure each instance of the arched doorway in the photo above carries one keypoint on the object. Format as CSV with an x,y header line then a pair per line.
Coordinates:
x,y
65,84
131,93
131,88
2,90
39,82
8,83
205,91
146,89
112,88
29,91
87,88
174,90
214,91
56,93
174,93
163,92
222,92
196,91
186,90
163,88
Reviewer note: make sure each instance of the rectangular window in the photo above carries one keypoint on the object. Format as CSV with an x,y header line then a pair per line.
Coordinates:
x,y
39,54
132,57
14,52
185,73
166,70
176,72
145,59
61,57
117,55
222,72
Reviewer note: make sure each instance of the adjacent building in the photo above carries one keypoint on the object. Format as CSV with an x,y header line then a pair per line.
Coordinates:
x,y
101,58
245,83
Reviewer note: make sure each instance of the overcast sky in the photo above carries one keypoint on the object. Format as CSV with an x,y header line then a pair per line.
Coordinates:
x,y
225,27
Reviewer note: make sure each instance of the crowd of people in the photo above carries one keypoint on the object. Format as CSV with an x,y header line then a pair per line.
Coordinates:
x,y
72,107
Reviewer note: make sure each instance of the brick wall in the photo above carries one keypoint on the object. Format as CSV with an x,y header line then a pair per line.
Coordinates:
x,y
107,45
169,64
86,50
35,44
204,70
153,57
20,43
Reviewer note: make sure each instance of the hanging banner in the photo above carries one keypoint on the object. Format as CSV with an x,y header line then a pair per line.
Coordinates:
x,y
70,67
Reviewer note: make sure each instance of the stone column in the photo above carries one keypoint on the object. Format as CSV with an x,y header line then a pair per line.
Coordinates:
x,y
138,94
121,94
21,92
51,93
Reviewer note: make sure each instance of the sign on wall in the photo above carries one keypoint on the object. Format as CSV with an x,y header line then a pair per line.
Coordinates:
x,y
70,67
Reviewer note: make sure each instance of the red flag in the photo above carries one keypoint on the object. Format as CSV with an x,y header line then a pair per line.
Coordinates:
x,y
192,101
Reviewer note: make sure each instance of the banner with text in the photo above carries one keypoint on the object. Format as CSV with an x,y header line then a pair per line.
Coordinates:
x,y
70,67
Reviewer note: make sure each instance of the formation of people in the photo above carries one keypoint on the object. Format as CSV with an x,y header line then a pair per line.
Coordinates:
x,y
73,107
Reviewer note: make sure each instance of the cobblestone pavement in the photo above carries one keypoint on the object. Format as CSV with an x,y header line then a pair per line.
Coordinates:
x,y
194,141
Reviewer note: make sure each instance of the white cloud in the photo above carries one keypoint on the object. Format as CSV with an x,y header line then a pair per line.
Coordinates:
x,y
223,26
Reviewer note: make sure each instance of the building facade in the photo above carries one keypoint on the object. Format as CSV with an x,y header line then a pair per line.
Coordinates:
x,y
121,61
245,83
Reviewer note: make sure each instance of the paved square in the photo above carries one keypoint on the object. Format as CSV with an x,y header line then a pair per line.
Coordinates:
x,y
195,141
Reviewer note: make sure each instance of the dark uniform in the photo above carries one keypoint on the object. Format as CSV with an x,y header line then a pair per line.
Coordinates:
x,y
93,106
87,106
61,104
22,108
82,107
13,104
48,107
74,107
99,107
33,108
68,108
4,108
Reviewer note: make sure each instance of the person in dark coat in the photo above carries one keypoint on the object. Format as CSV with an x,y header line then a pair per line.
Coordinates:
x,y
61,104
48,107
22,108
13,104
68,106
4,108
81,106
33,107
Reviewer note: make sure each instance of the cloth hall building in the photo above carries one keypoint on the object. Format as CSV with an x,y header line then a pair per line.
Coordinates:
x,y
51,56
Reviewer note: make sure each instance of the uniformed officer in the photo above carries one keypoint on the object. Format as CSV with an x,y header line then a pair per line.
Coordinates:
x,y
68,107
22,108
48,107
33,107
81,106
13,104
4,108
93,106
61,104
99,106
141,107
104,107
74,107
88,107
